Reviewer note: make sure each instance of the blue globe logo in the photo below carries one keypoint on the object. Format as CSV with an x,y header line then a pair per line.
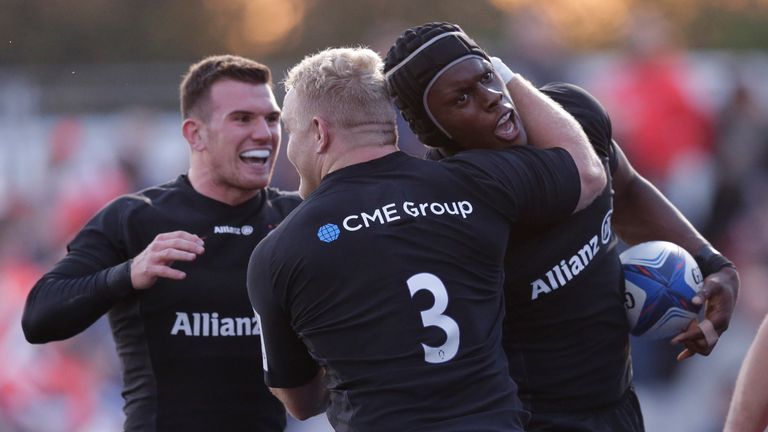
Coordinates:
x,y
328,233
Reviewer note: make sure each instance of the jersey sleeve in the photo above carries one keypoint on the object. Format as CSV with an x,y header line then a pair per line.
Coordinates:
x,y
525,183
286,360
82,286
590,114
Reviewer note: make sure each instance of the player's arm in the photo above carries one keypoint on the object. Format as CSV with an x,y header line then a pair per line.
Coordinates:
x,y
83,285
548,125
64,302
290,372
306,400
749,406
95,274
641,213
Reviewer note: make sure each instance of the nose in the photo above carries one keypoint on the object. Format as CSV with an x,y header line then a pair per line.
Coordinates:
x,y
261,130
491,97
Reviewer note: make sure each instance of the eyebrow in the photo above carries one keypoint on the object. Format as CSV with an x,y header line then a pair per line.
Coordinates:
x,y
472,78
463,85
252,113
453,91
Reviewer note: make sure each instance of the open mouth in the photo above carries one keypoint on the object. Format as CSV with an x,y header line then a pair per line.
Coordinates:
x,y
506,128
258,156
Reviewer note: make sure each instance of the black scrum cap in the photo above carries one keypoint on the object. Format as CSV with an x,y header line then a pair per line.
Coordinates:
x,y
416,60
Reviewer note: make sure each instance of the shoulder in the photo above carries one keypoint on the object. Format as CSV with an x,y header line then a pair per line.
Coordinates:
x,y
283,243
145,198
131,204
572,96
281,200
580,103
517,157
296,215
296,235
588,111
513,170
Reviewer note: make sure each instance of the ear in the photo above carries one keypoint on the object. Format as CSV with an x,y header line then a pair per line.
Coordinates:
x,y
323,135
191,128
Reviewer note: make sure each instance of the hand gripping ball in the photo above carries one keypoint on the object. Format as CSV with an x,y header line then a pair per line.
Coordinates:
x,y
661,279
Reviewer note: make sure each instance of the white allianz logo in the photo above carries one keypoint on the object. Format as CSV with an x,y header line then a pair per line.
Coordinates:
x,y
226,229
567,269
212,325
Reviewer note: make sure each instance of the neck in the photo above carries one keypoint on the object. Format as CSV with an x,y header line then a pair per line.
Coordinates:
x,y
361,144
205,184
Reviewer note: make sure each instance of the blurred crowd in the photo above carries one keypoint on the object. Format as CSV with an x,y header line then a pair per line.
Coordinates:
x,y
694,123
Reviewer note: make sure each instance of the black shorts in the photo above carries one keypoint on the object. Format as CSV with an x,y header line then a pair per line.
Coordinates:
x,y
623,416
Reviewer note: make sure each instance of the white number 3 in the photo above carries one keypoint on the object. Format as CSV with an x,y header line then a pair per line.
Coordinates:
x,y
434,317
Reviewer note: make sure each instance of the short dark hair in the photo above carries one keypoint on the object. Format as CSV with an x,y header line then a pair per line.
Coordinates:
x,y
418,55
198,80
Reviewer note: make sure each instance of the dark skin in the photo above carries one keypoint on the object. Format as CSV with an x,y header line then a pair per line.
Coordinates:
x,y
468,103
641,213
468,100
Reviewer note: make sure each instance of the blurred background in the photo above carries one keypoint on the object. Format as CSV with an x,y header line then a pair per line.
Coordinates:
x,y
89,110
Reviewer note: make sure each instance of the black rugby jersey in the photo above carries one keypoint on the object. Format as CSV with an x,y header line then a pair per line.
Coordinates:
x,y
390,276
190,349
566,333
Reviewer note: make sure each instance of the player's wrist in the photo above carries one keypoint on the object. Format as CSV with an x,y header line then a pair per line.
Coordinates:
x,y
711,261
502,70
119,281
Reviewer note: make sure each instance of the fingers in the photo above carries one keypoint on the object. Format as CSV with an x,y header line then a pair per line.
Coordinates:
x,y
503,70
691,332
721,300
158,257
719,294
171,254
180,240
696,340
686,353
710,287
175,249
710,334
693,347
169,273
701,297
176,246
179,235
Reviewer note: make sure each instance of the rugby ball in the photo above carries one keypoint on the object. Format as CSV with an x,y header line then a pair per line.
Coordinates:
x,y
661,279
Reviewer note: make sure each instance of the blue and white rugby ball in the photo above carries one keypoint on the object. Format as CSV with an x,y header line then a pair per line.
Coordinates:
x,y
661,280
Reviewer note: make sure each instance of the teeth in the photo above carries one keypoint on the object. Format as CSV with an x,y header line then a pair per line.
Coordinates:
x,y
503,119
261,154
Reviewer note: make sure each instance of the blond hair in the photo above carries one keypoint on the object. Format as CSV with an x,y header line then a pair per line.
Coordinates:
x,y
344,85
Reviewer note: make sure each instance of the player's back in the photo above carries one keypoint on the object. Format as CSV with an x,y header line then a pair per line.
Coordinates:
x,y
391,273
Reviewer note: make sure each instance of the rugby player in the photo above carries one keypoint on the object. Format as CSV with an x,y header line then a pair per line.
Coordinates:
x,y
380,296
168,265
565,331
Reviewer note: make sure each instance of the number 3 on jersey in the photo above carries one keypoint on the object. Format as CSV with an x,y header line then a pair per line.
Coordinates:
x,y
434,317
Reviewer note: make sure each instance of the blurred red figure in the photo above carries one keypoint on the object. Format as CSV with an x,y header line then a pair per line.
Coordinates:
x,y
78,192
656,119
38,387
661,124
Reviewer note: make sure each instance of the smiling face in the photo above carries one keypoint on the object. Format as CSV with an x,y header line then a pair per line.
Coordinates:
x,y
472,104
239,138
